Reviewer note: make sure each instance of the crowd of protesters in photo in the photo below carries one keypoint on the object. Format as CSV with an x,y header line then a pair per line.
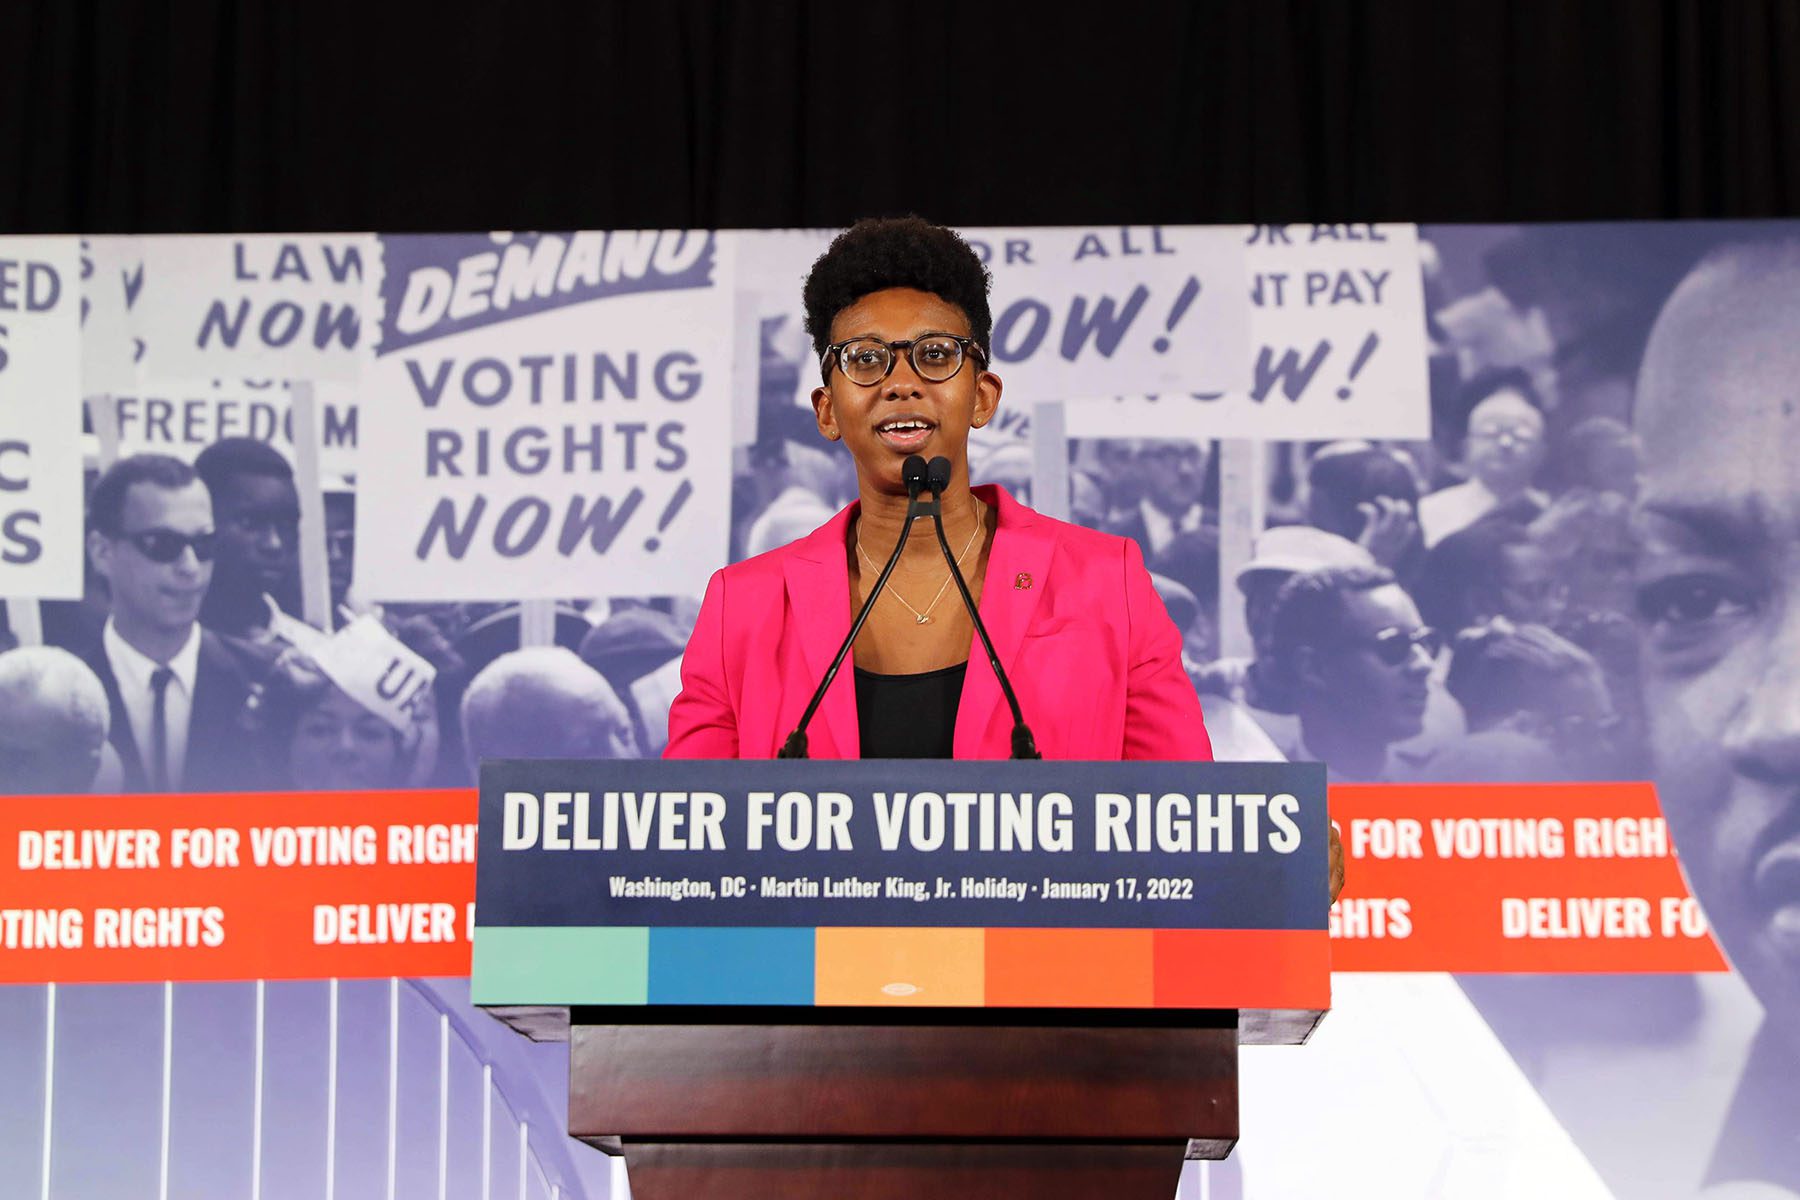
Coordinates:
x,y
1451,609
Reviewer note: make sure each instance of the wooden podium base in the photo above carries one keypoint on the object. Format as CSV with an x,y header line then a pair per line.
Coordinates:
x,y
871,1171
867,1111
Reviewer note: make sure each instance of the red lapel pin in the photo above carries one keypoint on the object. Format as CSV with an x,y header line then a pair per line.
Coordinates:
x,y
1022,581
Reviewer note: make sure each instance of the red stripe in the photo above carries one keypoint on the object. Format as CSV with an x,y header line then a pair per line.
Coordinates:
x,y
1243,968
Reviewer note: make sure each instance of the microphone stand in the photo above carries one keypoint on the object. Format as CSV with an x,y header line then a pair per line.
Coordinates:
x,y
913,471
1024,745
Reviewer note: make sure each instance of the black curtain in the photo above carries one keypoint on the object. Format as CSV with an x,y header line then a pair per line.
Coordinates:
x,y
219,115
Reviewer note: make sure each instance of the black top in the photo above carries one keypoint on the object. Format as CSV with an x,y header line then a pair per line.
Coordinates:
x,y
909,716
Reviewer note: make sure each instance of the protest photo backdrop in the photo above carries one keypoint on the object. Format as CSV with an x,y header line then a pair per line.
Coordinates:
x,y
1496,521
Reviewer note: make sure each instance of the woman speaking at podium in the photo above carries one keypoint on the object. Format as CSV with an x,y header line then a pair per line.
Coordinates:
x,y
898,311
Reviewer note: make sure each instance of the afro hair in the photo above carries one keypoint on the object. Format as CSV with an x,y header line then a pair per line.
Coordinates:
x,y
878,253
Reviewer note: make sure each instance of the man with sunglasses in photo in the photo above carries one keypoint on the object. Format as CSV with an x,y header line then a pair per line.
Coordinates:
x,y
176,691
1353,660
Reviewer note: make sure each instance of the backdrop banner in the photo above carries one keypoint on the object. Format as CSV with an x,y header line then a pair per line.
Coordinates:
x,y
550,409
182,419
254,305
40,417
1498,523
112,276
1335,313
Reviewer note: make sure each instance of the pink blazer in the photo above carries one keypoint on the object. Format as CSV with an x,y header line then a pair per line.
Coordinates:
x,y
1092,654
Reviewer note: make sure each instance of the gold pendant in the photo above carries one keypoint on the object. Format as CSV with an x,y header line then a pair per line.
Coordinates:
x,y
924,618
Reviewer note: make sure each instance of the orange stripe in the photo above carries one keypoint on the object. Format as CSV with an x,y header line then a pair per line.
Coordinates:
x,y
929,966
1076,968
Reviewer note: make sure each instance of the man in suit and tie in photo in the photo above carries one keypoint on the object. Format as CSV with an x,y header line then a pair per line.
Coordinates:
x,y
176,692
1173,472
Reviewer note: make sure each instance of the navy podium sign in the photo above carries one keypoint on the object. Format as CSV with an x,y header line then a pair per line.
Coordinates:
x,y
622,882
903,843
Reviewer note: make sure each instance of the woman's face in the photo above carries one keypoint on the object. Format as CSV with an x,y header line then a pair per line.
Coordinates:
x,y
1581,722
865,418
1530,592
1506,441
1386,700
341,746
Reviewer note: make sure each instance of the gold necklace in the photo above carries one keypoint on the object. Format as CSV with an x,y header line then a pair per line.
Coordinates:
x,y
922,618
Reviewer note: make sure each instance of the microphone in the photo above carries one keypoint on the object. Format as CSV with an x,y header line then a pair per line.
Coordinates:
x,y
913,471
937,478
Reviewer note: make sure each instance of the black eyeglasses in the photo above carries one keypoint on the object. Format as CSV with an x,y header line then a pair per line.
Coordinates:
x,y
1394,646
935,357
165,545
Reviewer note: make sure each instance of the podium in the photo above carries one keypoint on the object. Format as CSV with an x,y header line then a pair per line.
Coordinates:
x,y
903,979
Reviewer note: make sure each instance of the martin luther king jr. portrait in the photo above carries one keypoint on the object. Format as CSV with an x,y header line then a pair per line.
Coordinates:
x,y
1718,599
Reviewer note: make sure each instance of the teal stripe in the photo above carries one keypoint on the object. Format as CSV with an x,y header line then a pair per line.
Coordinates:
x,y
560,965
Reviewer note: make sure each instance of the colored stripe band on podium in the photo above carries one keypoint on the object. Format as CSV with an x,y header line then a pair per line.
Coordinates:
x,y
936,967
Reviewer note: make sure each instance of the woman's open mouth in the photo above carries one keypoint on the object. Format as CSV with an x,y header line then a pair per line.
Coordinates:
x,y
905,434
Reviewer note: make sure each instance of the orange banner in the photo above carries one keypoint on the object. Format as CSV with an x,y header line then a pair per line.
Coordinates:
x,y
1479,877
101,889
1512,878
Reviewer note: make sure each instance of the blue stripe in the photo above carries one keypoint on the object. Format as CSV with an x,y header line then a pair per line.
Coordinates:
x,y
731,966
